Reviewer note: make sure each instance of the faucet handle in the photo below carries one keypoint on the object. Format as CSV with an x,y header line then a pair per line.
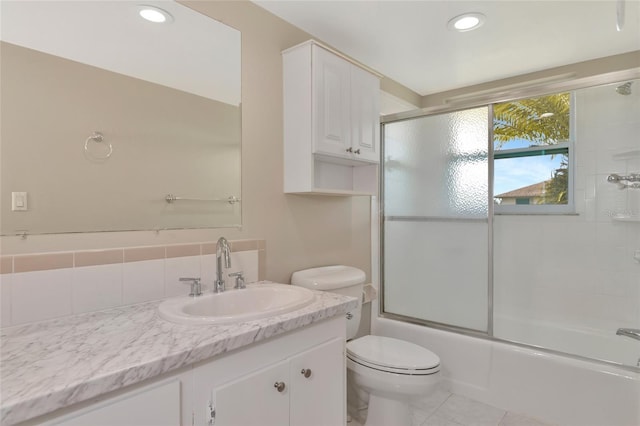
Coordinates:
x,y
196,287
239,279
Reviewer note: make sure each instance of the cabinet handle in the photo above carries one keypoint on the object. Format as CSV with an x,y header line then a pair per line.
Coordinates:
x,y
357,151
349,149
279,386
306,372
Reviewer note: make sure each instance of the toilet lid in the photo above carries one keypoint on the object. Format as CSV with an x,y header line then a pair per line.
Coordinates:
x,y
389,354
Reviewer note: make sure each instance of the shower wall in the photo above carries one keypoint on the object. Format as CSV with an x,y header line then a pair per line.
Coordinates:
x,y
577,273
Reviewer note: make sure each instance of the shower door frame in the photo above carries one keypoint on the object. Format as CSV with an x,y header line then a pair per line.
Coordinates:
x,y
541,87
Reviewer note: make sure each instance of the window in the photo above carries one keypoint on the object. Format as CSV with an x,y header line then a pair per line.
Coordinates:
x,y
533,155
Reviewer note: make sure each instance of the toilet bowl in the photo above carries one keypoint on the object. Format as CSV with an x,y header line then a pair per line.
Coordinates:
x,y
391,371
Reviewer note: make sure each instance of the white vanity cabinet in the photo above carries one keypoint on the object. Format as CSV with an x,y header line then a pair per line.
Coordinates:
x,y
331,123
298,379
317,396
156,404
302,390
253,399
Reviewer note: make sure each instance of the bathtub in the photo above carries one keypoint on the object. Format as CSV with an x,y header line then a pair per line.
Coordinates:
x,y
589,343
553,388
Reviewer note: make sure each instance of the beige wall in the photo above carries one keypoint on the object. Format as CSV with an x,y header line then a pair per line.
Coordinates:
x,y
300,231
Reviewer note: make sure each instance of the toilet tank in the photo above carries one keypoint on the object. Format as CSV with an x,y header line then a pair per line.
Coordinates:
x,y
340,279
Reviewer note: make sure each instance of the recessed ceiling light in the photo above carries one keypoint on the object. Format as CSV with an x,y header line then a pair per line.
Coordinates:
x,y
154,14
466,22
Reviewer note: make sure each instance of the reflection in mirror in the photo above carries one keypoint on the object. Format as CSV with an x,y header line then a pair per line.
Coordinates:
x,y
105,114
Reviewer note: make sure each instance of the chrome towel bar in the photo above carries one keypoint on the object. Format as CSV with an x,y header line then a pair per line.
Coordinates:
x,y
170,198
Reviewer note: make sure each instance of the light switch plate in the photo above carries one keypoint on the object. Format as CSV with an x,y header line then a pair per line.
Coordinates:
x,y
19,201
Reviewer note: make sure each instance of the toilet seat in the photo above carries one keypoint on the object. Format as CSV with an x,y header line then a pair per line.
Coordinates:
x,y
393,356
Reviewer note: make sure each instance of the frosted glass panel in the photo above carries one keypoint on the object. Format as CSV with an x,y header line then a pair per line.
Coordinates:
x,y
435,218
437,165
437,271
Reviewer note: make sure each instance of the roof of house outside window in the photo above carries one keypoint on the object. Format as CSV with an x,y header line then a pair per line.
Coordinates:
x,y
531,191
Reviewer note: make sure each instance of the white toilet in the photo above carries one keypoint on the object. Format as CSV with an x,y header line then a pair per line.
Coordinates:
x,y
391,370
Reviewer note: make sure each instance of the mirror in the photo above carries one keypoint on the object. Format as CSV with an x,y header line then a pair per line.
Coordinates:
x,y
113,123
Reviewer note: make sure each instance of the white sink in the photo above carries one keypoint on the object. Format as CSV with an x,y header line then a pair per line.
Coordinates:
x,y
254,302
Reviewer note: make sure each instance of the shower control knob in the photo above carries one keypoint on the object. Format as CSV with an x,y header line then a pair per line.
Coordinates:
x,y
349,315
357,151
306,372
280,386
349,149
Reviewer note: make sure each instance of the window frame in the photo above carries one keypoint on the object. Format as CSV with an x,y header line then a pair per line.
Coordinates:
x,y
569,145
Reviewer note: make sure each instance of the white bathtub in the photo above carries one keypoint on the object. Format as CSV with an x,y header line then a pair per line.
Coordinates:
x,y
553,388
590,343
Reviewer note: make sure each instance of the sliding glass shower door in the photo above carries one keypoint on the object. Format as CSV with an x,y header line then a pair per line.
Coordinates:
x,y
436,227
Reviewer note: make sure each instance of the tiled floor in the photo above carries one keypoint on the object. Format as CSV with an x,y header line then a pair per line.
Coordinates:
x,y
446,409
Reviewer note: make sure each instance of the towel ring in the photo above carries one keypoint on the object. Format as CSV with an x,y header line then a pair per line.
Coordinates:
x,y
97,137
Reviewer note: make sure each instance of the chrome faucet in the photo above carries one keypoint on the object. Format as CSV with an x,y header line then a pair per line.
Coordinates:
x,y
634,333
222,250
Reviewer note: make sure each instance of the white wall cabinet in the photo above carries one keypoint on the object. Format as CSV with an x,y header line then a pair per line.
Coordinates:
x,y
331,123
365,115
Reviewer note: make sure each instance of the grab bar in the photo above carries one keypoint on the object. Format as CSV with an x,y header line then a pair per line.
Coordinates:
x,y
634,333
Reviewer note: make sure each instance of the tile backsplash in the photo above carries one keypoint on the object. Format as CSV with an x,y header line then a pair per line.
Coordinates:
x,y
49,285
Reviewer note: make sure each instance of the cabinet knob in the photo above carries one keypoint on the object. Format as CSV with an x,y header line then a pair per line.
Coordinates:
x,y
357,151
306,372
279,386
349,149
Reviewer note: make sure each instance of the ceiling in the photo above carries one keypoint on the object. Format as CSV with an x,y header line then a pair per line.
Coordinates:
x,y
193,53
409,42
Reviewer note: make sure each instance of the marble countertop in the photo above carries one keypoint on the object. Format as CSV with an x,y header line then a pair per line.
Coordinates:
x,y
53,364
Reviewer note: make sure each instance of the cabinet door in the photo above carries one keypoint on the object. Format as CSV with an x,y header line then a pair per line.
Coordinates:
x,y
331,125
320,399
254,400
365,115
154,405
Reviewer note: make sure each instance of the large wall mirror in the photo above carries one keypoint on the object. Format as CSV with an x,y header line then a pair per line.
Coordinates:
x,y
111,122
